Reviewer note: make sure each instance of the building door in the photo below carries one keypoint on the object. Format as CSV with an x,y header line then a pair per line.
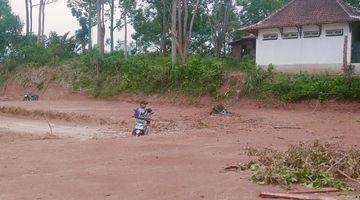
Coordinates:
x,y
355,53
355,48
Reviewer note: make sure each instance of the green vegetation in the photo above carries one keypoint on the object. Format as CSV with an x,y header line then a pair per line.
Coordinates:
x,y
201,75
264,84
146,74
315,165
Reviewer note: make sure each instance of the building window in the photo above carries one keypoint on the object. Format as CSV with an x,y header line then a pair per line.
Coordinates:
x,y
335,32
310,34
272,36
292,35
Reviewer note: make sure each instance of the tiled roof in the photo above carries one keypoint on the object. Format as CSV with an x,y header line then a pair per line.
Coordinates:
x,y
308,12
244,38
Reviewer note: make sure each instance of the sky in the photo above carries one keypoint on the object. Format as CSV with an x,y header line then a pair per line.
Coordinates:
x,y
58,18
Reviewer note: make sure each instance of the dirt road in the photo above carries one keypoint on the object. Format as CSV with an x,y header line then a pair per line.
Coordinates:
x,y
93,155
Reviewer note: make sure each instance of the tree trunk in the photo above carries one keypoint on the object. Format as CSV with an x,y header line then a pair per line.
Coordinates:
x,y
90,29
100,27
180,32
185,25
43,19
126,32
164,29
30,16
112,26
27,17
173,32
39,39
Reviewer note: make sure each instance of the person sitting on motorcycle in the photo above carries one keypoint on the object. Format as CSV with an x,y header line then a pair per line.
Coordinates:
x,y
142,112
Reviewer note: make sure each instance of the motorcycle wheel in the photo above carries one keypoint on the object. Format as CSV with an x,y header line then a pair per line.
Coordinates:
x,y
137,132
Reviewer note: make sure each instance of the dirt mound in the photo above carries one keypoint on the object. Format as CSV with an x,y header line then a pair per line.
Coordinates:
x,y
48,83
54,115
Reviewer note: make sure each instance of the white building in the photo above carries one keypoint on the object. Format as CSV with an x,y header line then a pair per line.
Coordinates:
x,y
309,35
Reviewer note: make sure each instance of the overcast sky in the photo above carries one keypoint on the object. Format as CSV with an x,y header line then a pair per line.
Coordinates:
x,y
58,18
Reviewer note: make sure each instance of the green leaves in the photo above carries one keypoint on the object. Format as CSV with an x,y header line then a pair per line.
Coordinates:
x,y
10,29
147,74
296,87
254,11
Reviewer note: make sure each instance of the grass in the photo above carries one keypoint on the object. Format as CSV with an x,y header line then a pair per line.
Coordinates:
x,y
151,73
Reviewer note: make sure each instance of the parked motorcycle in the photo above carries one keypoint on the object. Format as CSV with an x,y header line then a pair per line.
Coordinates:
x,y
31,97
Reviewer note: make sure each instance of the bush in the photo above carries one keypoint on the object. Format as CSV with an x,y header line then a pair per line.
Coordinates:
x,y
146,74
264,84
246,64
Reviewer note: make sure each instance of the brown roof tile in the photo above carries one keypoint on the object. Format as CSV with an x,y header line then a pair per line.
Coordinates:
x,y
306,12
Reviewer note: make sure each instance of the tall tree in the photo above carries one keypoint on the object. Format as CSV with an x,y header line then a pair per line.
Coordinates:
x,y
41,18
127,8
152,21
221,14
112,26
173,31
10,28
84,10
100,26
183,34
30,16
27,17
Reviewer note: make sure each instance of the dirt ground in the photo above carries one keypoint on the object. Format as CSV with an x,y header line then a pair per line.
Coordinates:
x,y
88,153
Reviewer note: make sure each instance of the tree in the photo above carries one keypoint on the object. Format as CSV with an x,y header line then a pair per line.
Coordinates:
x,y
10,28
184,27
152,21
62,46
112,27
27,9
254,11
222,19
354,3
85,13
126,8
100,26
173,31
41,18
29,15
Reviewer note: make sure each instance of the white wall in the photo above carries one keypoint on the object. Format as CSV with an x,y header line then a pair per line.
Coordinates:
x,y
302,52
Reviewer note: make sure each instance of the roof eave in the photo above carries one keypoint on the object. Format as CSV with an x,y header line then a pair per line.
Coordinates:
x,y
255,28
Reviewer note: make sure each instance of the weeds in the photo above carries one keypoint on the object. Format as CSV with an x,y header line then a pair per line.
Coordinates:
x,y
314,165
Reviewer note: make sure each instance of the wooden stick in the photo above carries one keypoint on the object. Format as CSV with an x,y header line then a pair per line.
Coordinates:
x,y
348,177
322,190
286,127
292,196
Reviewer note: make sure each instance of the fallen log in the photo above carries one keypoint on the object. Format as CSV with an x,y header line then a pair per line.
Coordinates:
x,y
292,196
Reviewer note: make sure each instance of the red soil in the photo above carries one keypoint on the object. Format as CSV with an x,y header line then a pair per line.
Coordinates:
x,y
182,158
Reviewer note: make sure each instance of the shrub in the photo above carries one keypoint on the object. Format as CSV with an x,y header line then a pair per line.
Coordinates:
x,y
147,74
264,84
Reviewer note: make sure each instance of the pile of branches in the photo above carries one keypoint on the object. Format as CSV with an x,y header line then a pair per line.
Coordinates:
x,y
314,165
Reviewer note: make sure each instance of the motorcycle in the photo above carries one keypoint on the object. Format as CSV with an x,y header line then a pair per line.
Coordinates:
x,y
31,97
142,124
